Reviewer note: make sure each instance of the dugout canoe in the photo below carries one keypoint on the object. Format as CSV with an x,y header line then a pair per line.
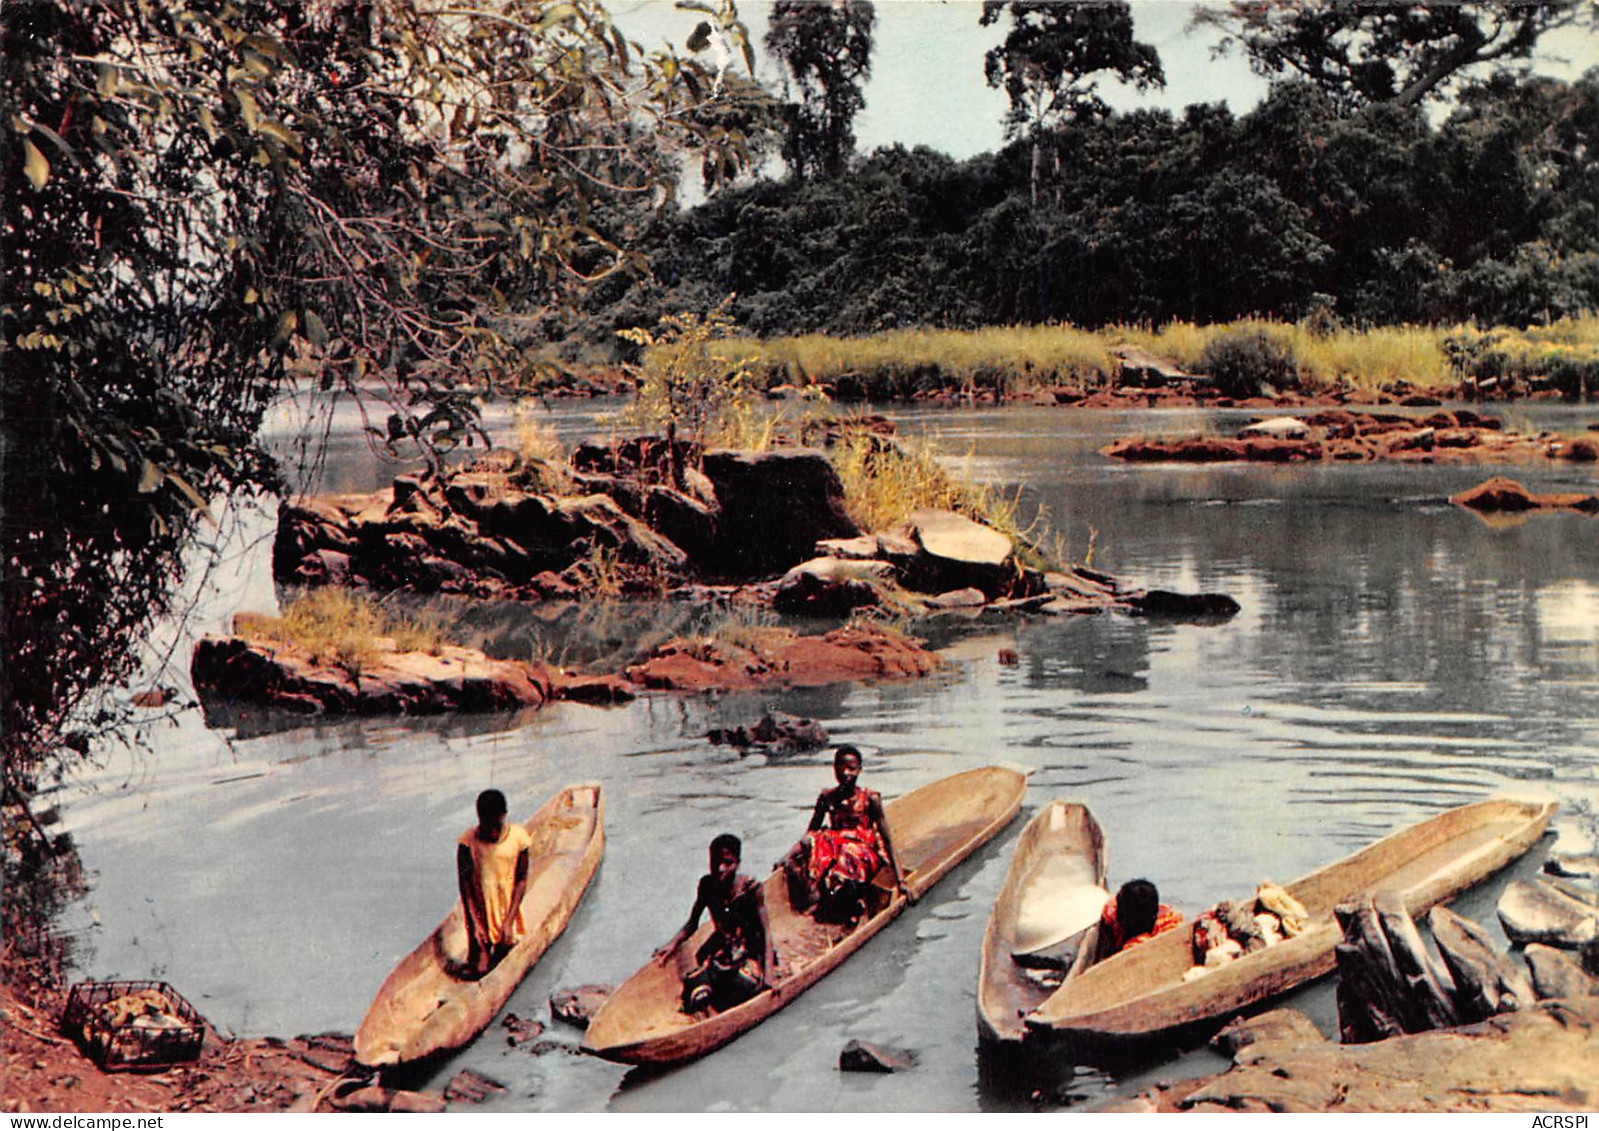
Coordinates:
x,y
423,1006
1053,890
1139,995
934,828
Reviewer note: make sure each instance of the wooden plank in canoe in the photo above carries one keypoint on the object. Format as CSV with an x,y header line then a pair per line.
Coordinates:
x,y
1140,993
1054,889
934,828
423,1007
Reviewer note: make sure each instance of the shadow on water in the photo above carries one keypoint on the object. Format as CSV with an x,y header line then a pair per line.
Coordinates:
x,y
252,720
1045,1073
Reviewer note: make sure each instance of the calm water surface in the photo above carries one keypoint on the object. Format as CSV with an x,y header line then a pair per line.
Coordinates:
x,y
1394,656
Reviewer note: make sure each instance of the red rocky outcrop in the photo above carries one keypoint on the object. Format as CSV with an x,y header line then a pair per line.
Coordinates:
x,y
236,669
1506,496
782,657
1460,436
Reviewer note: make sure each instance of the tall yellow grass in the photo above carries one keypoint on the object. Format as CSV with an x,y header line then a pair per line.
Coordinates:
x,y
1018,357
883,484
344,628
1037,352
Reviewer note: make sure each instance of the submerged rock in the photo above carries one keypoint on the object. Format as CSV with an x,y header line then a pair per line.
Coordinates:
x,y
1165,603
783,657
577,1006
776,733
863,1056
470,1087
1501,495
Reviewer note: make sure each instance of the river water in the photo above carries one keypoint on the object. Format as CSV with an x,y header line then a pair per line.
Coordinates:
x,y
1394,656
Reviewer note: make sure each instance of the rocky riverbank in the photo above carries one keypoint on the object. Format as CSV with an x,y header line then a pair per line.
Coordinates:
x,y
237,670
643,517
1466,1031
1337,435
1543,1059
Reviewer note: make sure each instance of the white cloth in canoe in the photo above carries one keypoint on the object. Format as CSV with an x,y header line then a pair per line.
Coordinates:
x,y
1057,899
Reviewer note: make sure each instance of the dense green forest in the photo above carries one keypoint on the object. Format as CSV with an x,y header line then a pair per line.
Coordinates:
x,y
1293,209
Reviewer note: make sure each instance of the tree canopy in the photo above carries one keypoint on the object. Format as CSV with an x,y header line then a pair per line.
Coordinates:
x,y
1054,55
200,193
1366,51
825,51
1290,210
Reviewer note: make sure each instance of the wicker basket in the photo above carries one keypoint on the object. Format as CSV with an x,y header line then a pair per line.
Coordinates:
x,y
130,1045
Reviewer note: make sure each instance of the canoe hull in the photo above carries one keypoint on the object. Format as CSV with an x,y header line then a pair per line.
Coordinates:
x,y
934,828
422,1009
1005,993
1113,1005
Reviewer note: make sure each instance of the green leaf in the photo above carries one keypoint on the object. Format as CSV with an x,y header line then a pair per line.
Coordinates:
x,y
287,324
151,478
248,110
555,14
316,331
188,492
34,164
282,133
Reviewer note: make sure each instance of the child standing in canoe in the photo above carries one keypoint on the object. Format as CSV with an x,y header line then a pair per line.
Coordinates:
x,y
736,961
491,865
846,844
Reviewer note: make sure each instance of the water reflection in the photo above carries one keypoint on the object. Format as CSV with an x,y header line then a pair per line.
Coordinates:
x,y
1392,657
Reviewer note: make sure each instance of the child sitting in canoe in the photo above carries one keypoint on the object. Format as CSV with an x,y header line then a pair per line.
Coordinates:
x,y
831,866
734,963
1133,915
491,865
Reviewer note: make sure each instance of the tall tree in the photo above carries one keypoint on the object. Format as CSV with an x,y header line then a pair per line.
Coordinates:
x,y
1052,60
1365,51
825,50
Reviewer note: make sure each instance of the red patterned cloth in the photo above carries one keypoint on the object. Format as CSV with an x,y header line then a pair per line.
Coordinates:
x,y
849,849
1110,929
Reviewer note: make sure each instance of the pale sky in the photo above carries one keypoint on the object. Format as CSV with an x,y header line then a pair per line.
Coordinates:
x,y
927,83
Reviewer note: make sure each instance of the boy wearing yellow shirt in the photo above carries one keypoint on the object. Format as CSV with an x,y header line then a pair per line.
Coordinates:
x,y
491,863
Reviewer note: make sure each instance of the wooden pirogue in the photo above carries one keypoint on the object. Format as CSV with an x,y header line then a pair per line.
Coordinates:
x,y
1058,865
1139,994
934,828
423,1006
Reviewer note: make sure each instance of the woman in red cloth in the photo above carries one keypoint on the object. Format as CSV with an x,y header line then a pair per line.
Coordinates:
x,y
1134,913
830,867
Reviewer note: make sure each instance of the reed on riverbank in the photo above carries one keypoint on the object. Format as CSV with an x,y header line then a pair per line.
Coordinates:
x,y
1006,360
341,627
